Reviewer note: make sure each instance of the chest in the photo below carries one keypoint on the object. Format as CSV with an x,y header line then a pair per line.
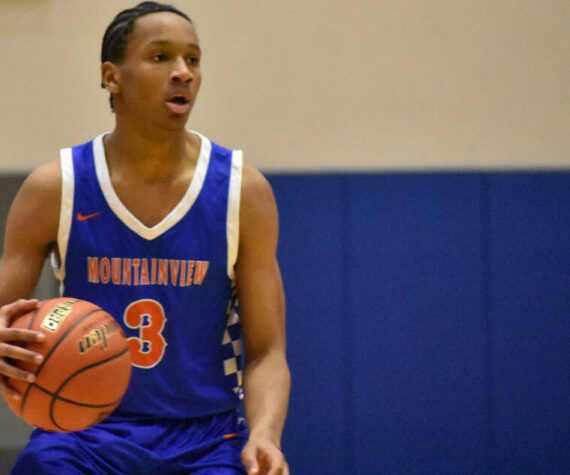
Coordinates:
x,y
150,203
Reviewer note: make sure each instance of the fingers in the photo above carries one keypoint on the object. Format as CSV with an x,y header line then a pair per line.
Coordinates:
x,y
22,335
8,370
249,459
8,391
8,335
11,350
17,353
264,460
12,310
10,347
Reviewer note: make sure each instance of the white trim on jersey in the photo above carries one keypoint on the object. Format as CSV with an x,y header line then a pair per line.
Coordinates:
x,y
232,226
179,210
65,215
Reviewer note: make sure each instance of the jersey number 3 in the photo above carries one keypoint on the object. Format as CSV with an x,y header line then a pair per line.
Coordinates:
x,y
148,317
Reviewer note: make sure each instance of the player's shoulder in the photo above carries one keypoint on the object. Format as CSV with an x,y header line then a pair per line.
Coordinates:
x,y
40,194
255,186
38,202
258,211
44,181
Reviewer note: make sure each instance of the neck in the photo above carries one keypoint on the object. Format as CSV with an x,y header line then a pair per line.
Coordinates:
x,y
155,157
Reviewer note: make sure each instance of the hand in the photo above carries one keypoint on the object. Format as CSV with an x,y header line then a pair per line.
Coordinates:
x,y
9,339
263,457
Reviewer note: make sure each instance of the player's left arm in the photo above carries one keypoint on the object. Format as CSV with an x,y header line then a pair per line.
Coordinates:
x,y
262,313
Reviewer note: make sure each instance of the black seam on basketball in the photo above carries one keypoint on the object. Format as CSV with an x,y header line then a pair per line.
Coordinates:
x,y
57,397
71,401
33,319
57,343
62,337
85,368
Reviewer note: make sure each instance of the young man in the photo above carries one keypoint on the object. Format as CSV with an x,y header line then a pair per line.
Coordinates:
x,y
163,229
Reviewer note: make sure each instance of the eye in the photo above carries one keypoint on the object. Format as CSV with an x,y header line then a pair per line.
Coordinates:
x,y
158,57
193,60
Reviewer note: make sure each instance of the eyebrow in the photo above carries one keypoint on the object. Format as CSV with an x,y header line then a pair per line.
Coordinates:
x,y
166,42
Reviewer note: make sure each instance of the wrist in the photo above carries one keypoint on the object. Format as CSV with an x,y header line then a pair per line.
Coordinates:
x,y
267,436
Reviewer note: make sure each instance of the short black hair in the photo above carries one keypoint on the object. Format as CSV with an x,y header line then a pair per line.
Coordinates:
x,y
118,32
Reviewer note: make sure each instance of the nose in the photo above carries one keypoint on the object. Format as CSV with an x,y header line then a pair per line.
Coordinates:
x,y
181,73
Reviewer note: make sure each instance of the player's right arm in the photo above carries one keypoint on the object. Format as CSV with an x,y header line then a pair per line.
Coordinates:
x,y
31,232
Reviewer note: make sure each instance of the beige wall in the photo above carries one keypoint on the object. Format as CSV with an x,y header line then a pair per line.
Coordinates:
x,y
365,84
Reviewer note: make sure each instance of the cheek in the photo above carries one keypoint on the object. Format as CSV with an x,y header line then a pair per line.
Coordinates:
x,y
197,80
140,83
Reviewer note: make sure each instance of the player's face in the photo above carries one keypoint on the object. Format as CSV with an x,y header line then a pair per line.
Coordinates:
x,y
159,76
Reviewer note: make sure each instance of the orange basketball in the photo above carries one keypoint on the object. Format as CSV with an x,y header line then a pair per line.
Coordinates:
x,y
85,371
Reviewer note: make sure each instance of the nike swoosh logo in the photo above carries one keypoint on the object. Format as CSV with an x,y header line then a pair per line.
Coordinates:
x,y
83,217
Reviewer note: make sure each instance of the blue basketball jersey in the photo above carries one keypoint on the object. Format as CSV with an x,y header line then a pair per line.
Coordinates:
x,y
171,286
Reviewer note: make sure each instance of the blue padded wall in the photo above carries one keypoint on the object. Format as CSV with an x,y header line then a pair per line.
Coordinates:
x,y
427,322
529,280
415,298
315,286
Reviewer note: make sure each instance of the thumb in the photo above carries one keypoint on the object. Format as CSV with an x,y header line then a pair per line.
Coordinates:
x,y
249,460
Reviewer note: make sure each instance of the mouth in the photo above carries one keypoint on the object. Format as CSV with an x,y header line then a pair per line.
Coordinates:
x,y
179,100
179,103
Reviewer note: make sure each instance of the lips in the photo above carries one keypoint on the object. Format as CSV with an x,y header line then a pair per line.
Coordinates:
x,y
179,103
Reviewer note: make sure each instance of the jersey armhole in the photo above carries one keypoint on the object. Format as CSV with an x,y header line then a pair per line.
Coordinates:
x,y
65,215
232,225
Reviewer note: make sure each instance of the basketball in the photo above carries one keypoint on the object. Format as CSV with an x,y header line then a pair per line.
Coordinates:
x,y
85,371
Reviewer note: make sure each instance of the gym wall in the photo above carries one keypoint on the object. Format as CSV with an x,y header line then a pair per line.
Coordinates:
x,y
315,85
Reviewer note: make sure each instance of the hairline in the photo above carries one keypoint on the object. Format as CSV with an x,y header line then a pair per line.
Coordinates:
x,y
129,35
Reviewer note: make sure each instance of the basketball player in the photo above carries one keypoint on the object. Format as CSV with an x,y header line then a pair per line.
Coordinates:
x,y
163,229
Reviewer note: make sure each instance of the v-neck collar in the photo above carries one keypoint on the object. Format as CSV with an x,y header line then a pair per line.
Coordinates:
x,y
175,215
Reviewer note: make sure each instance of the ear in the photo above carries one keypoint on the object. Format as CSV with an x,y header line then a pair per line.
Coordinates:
x,y
110,77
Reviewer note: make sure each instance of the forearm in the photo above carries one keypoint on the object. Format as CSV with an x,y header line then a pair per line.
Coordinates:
x,y
267,384
19,277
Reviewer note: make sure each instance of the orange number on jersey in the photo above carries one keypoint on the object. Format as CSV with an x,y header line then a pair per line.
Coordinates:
x,y
148,316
